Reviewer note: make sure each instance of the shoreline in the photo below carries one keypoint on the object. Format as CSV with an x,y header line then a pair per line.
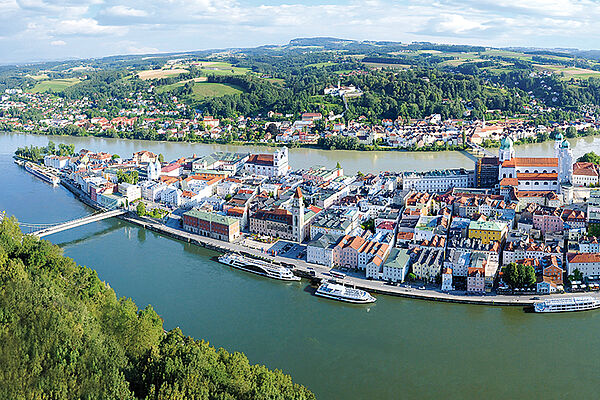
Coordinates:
x,y
302,268
426,150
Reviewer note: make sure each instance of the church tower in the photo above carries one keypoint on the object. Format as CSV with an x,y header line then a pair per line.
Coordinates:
x,y
565,163
298,215
506,151
558,140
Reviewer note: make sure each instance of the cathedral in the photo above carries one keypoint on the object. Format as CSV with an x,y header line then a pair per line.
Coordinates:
x,y
535,173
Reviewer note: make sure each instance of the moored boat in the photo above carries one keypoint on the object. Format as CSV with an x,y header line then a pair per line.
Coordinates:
x,y
340,292
567,304
41,173
258,267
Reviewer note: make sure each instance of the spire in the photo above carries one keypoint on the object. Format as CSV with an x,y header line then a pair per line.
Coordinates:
x,y
298,194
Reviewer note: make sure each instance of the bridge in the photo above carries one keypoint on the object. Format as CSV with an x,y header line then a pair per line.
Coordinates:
x,y
479,151
41,230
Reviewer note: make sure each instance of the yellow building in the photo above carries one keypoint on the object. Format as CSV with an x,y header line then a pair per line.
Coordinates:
x,y
488,231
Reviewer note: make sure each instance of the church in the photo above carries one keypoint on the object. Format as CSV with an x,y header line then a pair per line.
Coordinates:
x,y
535,173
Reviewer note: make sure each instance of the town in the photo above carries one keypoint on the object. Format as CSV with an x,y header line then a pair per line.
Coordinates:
x,y
512,225
143,116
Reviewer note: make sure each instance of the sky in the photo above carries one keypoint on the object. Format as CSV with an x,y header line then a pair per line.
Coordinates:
x,y
41,30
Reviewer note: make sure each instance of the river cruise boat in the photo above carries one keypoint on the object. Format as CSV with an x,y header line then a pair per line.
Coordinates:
x,y
42,173
258,267
567,304
339,292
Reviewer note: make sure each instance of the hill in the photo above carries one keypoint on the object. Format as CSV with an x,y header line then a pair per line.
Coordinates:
x,y
66,335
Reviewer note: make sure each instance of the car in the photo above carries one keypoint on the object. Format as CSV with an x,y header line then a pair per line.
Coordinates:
x,y
422,288
534,298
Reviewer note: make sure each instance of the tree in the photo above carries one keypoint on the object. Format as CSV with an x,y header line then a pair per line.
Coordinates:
x,y
141,209
161,158
338,165
85,342
115,156
590,157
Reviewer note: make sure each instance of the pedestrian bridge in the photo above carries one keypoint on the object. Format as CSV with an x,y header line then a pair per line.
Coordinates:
x,y
479,151
41,230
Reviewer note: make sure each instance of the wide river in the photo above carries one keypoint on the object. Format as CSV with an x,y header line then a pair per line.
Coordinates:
x,y
396,348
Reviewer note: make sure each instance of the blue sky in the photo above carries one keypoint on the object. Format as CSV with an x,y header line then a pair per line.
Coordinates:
x,y
36,30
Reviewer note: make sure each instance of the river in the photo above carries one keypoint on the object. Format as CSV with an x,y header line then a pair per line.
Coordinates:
x,y
395,348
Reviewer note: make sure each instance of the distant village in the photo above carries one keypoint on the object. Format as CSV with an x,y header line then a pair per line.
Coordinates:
x,y
455,231
176,121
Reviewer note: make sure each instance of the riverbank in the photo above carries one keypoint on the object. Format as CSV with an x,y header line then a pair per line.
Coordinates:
x,y
304,269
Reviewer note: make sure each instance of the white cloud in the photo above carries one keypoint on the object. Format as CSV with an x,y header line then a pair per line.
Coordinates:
x,y
87,26
58,43
124,11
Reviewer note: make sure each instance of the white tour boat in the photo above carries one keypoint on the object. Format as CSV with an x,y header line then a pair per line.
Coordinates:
x,y
342,293
566,304
258,267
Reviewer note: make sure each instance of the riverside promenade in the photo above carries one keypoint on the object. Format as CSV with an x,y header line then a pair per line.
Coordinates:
x,y
304,269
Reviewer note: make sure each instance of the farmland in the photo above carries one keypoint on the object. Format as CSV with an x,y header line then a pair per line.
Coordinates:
x,y
55,85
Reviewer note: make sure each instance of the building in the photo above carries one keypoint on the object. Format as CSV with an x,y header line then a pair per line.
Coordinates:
x,y
130,192
427,263
488,231
211,225
476,280
486,172
337,223
320,249
394,269
520,250
587,263
438,181
144,157
289,224
319,174
535,173
271,165
56,161
585,174
447,280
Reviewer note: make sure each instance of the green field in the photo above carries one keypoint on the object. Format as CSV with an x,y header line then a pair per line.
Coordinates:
x,y
202,90
55,85
209,89
221,68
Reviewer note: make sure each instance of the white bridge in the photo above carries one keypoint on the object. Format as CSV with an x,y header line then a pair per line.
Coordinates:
x,y
41,230
479,151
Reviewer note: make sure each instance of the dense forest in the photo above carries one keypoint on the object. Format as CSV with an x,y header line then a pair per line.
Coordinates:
x,y
64,334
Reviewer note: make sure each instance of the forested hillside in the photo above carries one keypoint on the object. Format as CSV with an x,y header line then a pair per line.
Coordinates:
x,y
64,334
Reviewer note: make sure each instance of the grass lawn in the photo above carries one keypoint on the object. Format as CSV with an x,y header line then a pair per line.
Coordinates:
x,y
210,89
55,85
160,73
221,68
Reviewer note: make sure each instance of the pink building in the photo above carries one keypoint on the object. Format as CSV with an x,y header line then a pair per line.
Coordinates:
x,y
548,221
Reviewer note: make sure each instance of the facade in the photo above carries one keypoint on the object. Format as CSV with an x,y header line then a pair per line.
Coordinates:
x,y
427,263
320,250
515,251
271,165
211,225
447,280
488,231
438,181
476,280
292,224
535,174
56,161
130,192
486,172
588,264
395,268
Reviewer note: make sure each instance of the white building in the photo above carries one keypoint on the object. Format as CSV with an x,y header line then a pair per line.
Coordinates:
x,y
439,180
447,280
320,250
129,191
588,264
151,191
271,165
171,195
56,161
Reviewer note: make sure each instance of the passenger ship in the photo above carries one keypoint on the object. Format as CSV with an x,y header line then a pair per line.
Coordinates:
x,y
342,293
567,304
42,173
258,267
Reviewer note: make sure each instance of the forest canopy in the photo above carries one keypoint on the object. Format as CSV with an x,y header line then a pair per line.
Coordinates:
x,y
64,334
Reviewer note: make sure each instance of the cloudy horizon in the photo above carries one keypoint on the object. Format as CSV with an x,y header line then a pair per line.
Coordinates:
x,y
42,30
